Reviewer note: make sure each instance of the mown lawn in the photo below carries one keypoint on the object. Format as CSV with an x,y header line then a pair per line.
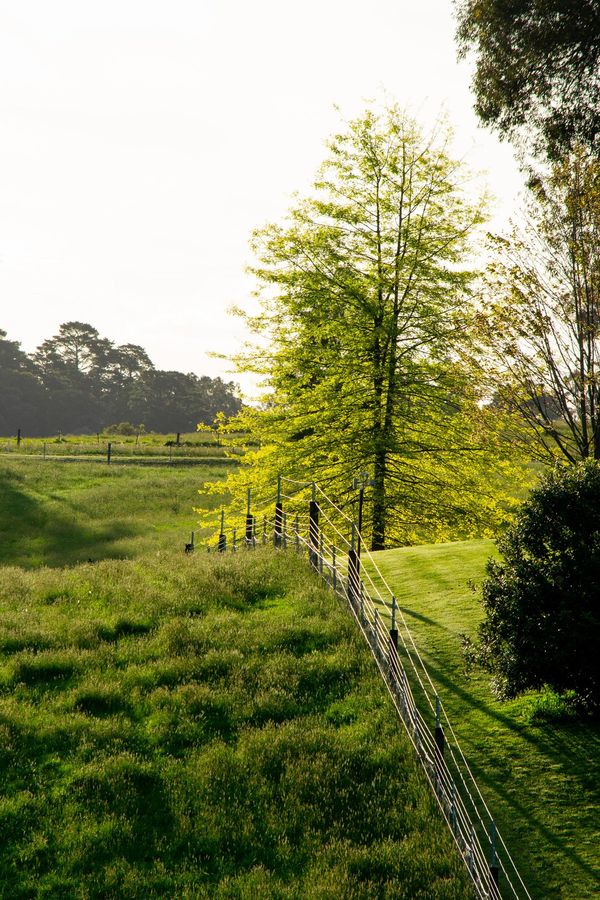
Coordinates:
x,y
539,768
199,726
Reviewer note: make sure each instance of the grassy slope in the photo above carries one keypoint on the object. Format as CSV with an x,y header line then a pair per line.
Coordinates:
x,y
56,514
176,726
539,773
197,726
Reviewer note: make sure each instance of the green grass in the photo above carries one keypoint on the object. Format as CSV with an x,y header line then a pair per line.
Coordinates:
x,y
202,726
202,446
538,767
53,514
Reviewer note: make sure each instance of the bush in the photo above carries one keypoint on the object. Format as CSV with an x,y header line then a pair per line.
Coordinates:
x,y
542,621
126,429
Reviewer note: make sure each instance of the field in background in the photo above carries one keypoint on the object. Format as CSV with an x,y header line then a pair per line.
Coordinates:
x,y
197,447
53,514
538,767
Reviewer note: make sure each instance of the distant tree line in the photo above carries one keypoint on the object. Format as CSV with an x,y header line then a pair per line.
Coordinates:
x,y
80,382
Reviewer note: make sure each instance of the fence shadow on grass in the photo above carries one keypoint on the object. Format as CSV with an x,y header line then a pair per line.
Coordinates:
x,y
573,745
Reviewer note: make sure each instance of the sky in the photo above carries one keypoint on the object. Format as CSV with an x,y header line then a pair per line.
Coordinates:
x,y
142,141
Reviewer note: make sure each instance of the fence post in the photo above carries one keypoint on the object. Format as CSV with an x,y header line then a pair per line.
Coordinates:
x,y
234,541
321,554
353,571
393,629
222,535
439,748
453,817
439,731
108,452
277,534
264,535
297,532
333,568
249,523
313,531
285,531
494,869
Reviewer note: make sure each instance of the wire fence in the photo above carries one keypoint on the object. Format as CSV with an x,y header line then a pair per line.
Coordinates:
x,y
301,517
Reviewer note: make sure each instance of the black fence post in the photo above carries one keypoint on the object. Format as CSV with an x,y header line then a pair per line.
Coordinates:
x,y
18,437
249,524
353,571
278,533
394,629
440,740
108,452
313,532
222,535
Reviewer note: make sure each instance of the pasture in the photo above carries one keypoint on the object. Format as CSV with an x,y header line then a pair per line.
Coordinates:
x,y
189,726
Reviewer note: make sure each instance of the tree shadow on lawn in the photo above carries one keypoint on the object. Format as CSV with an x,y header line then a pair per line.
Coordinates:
x,y
33,536
574,746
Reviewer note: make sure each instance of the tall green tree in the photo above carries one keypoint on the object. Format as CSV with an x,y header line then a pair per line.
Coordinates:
x,y
22,397
364,296
537,69
537,332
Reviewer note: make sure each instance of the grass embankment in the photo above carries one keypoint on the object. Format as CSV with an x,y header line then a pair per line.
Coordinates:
x,y
538,768
202,727
56,515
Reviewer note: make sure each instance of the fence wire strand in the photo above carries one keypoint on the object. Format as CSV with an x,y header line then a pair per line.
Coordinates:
x,y
373,606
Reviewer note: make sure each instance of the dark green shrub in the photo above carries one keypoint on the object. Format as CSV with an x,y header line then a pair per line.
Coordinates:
x,y
542,610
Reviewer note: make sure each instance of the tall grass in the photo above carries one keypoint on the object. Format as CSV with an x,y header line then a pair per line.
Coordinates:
x,y
53,515
202,727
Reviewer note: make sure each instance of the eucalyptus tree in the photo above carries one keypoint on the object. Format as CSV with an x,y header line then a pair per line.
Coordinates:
x,y
537,69
364,293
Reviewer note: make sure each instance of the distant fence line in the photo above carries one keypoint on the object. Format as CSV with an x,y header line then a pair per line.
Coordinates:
x,y
109,456
301,517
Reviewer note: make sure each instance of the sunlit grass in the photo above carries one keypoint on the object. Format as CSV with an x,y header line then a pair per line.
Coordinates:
x,y
181,726
539,767
54,514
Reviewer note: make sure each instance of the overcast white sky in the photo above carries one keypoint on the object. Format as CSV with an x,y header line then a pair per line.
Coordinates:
x,y
141,141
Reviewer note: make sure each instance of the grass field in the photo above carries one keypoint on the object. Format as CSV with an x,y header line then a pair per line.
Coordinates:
x,y
538,767
53,514
189,726
197,447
